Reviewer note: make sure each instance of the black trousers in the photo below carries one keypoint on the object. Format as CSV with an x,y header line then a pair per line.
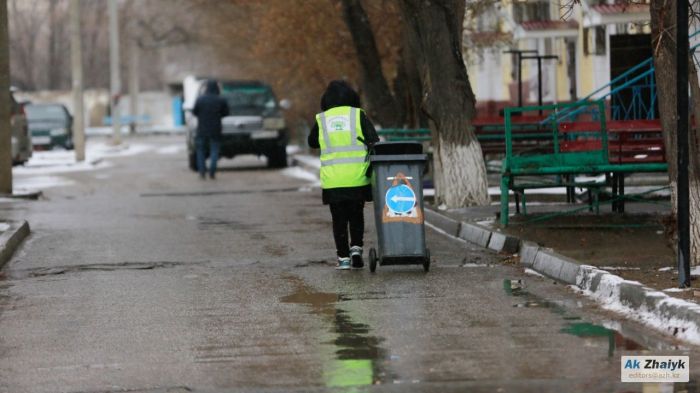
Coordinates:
x,y
347,213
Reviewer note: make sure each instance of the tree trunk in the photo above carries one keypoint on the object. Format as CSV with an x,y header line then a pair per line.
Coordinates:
x,y
663,26
381,105
694,167
53,66
5,127
434,29
414,117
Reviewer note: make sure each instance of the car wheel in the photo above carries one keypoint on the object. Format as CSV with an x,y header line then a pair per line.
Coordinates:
x,y
278,158
69,144
193,161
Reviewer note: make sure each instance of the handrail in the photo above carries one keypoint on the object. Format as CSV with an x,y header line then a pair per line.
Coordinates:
x,y
626,74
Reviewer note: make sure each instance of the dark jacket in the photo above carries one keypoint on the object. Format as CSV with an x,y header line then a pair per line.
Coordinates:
x,y
339,93
209,109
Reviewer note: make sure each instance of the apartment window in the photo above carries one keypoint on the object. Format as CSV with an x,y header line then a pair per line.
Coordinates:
x,y
529,11
594,40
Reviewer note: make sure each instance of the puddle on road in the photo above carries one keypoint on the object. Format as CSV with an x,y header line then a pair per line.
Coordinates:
x,y
357,355
574,325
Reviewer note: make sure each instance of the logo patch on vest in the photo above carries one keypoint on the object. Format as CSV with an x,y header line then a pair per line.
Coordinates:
x,y
338,123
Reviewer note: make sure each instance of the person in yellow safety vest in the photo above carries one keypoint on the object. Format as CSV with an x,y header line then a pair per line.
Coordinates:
x,y
343,133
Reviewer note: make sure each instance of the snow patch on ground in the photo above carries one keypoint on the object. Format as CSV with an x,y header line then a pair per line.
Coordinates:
x,y
172,149
37,173
63,161
660,316
293,149
533,272
619,268
677,289
299,173
4,226
40,182
487,223
311,161
666,269
695,271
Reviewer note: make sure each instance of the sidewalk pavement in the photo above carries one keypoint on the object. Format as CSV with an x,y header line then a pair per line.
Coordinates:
x,y
583,250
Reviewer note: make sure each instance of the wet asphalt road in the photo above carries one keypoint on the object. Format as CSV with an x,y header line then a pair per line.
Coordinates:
x,y
142,278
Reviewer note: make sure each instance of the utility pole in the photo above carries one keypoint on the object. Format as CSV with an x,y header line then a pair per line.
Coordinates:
x,y
5,129
683,213
115,81
133,82
77,70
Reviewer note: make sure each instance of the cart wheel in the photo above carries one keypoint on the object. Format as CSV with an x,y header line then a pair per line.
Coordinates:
x,y
372,260
426,262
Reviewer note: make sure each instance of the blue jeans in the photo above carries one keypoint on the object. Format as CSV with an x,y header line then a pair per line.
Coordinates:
x,y
201,144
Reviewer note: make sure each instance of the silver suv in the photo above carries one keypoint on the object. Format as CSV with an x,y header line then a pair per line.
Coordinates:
x,y
255,124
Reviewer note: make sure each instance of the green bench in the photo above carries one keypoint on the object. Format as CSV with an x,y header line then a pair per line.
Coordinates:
x,y
574,151
405,134
490,132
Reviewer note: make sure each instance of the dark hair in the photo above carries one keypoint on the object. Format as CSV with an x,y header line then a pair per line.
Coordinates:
x,y
212,87
339,93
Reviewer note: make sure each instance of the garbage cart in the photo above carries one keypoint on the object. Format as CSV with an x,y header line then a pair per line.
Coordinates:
x,y
397,188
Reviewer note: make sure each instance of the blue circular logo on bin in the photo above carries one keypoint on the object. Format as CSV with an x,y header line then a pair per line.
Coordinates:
x,y
400,199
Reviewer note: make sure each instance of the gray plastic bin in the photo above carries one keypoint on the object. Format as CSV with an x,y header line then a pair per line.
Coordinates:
x,y
397,189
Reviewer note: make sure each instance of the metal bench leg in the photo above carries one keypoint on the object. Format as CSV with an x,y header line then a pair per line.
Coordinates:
x,y
590,199
614,192
505,181
524,204
517,201
596,200
621,204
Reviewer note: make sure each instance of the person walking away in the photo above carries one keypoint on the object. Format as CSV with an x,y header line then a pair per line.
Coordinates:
x,y
209,108
343,133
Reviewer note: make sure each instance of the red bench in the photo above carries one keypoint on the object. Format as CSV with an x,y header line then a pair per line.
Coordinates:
x,y
633,141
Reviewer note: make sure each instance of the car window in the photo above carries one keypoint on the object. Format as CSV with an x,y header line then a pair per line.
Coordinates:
x,y
45,112
248,97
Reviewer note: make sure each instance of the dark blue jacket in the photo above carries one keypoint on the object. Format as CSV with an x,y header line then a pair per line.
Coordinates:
x,y
210,108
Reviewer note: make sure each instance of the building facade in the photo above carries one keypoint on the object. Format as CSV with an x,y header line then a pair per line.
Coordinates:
x,y
581,47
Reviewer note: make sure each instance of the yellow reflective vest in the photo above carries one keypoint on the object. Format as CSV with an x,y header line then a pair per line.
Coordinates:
x,y
343,157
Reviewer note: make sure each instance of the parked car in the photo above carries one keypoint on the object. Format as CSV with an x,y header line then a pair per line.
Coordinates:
x,y
21,141
255,124
51,125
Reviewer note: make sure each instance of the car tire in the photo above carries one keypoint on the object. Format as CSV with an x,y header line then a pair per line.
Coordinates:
x,y
192,161
278,158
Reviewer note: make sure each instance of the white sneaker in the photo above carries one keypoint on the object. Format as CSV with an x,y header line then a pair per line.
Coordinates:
x,y
343,264
356,256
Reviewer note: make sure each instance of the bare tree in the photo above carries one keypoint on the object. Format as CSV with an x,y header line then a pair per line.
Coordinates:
x,y
382,105
434,29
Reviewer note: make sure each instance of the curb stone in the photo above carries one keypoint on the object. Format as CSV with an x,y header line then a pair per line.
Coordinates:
x,y
450,226
11,239
475,234
504,243
672,316
676,317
